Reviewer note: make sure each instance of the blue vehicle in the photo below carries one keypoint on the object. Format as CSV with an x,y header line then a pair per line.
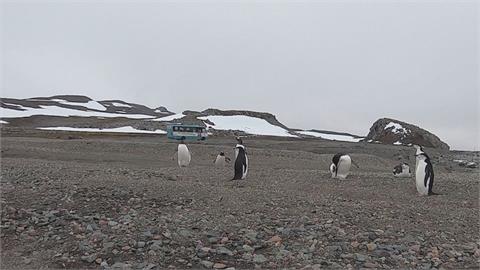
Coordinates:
x,y
186,132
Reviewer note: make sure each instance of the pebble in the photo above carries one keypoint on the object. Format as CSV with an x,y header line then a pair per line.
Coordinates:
x,y
224,251
415,248
371,246
219,266
275,239
370,265
360,257
112,223
259,258
207,264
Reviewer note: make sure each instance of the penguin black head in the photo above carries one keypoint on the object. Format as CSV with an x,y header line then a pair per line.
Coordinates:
x,y
222,154
239,140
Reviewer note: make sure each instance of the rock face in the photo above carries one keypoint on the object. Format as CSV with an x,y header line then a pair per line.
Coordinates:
x,y
391,131
270,118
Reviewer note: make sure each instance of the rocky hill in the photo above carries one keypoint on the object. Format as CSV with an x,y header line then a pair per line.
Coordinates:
x,y
391,131
81,113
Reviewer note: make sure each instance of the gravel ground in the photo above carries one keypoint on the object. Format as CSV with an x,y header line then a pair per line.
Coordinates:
x,y
121,202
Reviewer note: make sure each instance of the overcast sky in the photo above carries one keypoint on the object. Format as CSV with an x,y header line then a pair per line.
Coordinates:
x,y
334,65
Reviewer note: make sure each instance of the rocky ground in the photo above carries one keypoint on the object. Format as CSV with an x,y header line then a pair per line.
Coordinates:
x,y
116,202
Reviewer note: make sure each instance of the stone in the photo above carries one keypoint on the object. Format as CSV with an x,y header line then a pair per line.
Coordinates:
x,y
248,248
224,251
112,223
259,258
89,258
360,257
219,266
207,264
415,248
371,246
275,239
370,265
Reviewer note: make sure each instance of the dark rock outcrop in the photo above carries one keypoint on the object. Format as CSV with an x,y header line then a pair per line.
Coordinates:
x,y
391,131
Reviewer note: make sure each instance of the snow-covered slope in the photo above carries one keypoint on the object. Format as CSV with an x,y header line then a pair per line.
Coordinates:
x,y
247,124
81,106
127,129
53,110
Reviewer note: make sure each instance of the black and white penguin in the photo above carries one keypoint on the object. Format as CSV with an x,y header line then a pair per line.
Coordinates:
x,y
183,155
221,160
241,161
402,170
423,172
340,167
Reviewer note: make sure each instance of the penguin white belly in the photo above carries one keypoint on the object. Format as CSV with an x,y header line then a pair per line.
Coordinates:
x,y
344,165
220,161
184,156
245,171
420,178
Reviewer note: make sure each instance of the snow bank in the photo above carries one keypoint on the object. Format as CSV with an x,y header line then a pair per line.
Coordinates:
x,y
127,129
116,104
251,125
396,128
90,105
60,111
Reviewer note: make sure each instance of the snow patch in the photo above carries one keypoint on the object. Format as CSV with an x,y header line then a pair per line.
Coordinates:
x,y
3,122
116,104
335,137
248,124
396,128
127,129
397,143
89,105
60,111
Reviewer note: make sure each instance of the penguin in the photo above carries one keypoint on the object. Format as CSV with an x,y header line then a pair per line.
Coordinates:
x,y
241,161
184,157
340,166
424,173
402,170
221,160
419,150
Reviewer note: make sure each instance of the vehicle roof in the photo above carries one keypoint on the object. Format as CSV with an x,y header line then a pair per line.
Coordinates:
x,y
184,125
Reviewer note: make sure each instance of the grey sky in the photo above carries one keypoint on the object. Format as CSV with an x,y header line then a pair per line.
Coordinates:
x,y
315,64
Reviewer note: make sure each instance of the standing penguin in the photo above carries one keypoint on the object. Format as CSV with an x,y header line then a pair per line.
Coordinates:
x,y
340,167
184,157
241,161
221,160
402,170
424,173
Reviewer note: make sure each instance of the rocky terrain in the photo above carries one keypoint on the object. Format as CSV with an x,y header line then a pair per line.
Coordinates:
x,y
103,201
391,131
67,112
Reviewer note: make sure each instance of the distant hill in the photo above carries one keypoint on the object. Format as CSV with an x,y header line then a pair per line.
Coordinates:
x,y
81,113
